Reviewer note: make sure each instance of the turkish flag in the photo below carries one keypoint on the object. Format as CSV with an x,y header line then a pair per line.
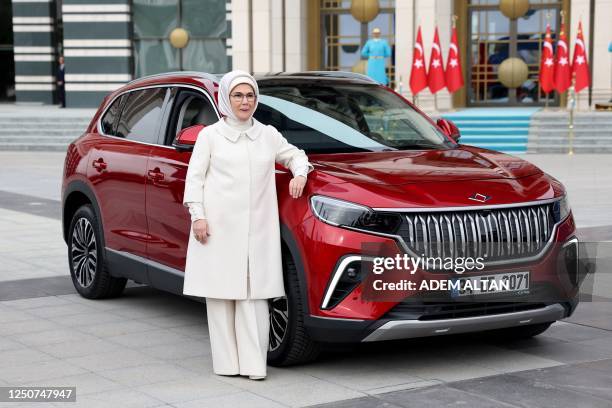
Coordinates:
x,y
580,65
563,78
435,76
418,76
547,64
454,75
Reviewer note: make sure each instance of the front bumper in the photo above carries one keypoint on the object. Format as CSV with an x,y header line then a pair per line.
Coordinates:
x,y
330,330
406,329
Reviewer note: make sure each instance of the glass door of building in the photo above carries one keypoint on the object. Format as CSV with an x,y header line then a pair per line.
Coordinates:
x,y
493,38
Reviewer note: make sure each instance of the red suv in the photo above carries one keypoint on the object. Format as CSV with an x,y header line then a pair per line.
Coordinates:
x,y
386,176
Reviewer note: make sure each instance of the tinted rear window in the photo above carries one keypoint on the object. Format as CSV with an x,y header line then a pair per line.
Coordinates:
x,y
141,115
109,120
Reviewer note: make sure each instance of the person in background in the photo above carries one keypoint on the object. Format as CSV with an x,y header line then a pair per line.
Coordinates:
x,y
376,50
61,89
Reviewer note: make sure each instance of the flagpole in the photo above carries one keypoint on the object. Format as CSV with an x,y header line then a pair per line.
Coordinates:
x,y
572,103
454,19
546,93
566,92
436,94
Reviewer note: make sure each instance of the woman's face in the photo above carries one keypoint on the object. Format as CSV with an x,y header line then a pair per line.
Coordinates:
x,y
242,98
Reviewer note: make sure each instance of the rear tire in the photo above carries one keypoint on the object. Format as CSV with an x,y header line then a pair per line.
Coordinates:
x,y
87,259
292,345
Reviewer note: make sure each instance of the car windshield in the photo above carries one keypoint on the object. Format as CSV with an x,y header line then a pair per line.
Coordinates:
x,y
346,118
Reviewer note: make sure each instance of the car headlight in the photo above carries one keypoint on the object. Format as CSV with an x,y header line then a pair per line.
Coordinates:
x,y
561,209
346,214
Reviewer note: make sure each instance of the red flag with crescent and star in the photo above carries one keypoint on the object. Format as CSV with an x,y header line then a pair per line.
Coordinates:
x,y
435,75
547,64
580,65
418,76
454,76
563,78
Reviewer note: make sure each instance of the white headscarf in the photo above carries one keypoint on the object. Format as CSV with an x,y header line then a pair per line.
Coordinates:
x,y
228,82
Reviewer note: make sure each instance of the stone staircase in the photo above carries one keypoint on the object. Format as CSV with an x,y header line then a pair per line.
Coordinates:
x,y
549,132
43,128
501,129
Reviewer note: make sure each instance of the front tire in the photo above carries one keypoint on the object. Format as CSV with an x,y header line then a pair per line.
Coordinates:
x,y
87,260
289,341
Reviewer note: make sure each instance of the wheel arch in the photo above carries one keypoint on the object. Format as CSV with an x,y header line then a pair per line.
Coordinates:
x,y
77,194
289,244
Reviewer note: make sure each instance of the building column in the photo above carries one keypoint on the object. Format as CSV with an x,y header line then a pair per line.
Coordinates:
x,y
34,50
296,35
602,58
241,36
579,9
405,32
262,35
260,48
97,49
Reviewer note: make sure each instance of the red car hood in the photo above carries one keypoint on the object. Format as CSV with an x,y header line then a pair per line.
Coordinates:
x,y
408,167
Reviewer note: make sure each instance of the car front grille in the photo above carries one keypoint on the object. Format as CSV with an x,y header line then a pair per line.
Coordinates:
x,y
493,234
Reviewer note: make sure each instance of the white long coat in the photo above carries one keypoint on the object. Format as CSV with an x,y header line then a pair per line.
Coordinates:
x,y
233,174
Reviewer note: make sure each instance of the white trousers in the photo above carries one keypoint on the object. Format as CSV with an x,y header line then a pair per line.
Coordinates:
x,y
238,331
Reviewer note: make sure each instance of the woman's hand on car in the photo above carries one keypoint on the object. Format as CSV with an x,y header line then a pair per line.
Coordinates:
x,y
296,186
200,230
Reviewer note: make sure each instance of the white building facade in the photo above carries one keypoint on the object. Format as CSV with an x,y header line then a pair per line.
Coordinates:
x,y
109,42
292,35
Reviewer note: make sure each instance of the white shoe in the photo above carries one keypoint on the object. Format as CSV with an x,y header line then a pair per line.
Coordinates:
x,y
257,377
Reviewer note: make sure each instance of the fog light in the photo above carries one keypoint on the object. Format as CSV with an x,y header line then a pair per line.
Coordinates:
x,y
349,279
352,273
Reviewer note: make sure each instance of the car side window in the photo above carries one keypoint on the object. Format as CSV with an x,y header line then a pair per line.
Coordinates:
x,y
191,108
141,115
109,120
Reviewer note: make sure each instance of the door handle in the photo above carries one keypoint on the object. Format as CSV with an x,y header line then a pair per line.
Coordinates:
x,y
156,175
99,164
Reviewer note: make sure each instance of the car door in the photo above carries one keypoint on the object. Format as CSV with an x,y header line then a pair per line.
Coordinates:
x,y
168,219
118,173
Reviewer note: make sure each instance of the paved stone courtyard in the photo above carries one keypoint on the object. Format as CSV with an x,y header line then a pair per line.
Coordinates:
x,y
149,348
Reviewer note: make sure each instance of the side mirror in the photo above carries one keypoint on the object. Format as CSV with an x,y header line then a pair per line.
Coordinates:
x,y
449,128
187,137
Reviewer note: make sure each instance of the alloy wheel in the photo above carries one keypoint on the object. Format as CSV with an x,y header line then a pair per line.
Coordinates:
x,y
279,321
84,252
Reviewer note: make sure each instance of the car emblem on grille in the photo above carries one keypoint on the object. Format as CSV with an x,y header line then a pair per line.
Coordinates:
x,y
481,198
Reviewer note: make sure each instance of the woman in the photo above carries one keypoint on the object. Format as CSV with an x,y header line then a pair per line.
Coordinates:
x,y
234,253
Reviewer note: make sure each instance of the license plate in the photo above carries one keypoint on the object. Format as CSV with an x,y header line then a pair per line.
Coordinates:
x,y
487,284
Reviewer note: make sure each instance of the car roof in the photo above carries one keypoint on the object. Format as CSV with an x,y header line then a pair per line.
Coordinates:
x,y
261,78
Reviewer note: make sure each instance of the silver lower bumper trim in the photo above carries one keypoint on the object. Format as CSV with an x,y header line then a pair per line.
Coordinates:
x,y
406,329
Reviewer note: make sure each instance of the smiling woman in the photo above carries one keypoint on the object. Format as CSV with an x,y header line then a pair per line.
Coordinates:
x,y
236,262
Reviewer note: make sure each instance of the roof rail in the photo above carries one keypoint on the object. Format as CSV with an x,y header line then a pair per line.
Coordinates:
x,y
337,74
200,74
